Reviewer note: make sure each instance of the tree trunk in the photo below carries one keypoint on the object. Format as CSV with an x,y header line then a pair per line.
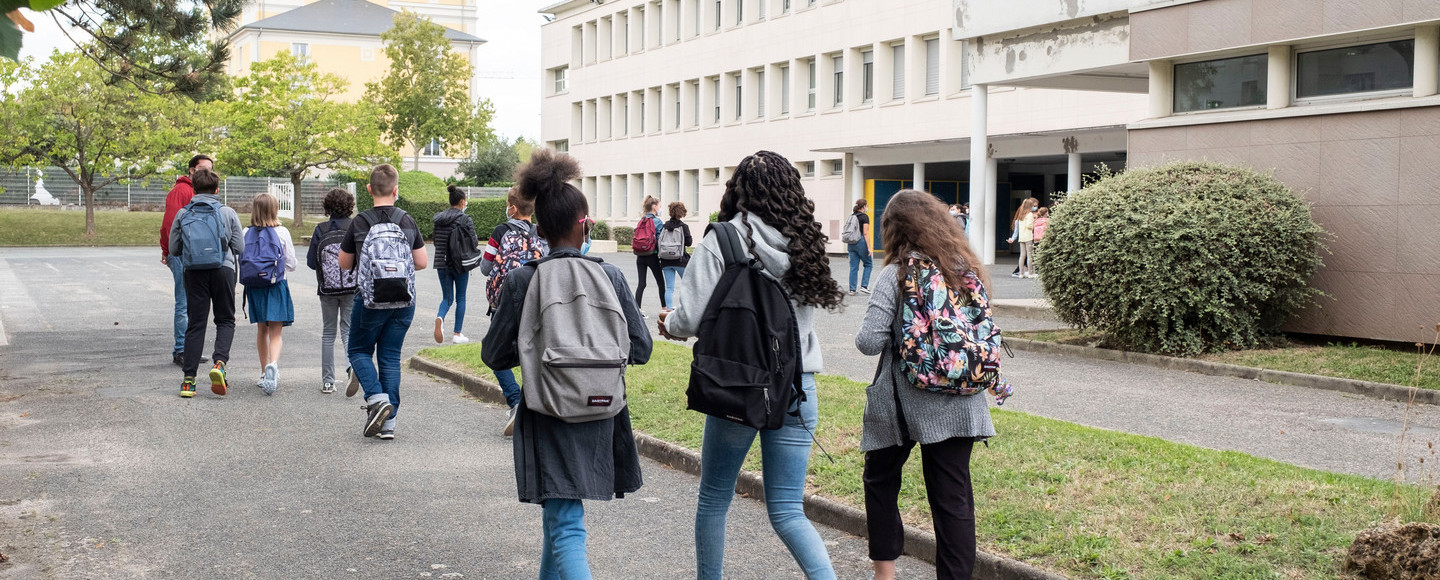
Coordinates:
x,y
417,159
89,209
299,208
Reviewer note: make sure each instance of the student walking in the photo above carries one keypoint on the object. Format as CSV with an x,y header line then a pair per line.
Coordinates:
x,y
674,239
958,212
573,439
921,239
1023,231
336,287
647,259
765,202
205,236
512,245
269,254
178,198
454,277
385,248
857,243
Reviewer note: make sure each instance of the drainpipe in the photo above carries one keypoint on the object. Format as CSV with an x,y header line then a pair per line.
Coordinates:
x,y
980,203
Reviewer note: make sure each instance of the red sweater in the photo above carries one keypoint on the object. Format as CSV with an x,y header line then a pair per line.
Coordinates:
x,y
178,198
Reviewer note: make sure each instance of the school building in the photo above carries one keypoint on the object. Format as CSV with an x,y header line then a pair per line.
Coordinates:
x,y
1339,98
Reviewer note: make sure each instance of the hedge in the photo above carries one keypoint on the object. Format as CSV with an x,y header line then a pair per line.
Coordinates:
x,y
623,235
601,231
486,213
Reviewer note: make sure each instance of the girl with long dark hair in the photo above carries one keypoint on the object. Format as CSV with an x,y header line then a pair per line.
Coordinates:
x,y
765,201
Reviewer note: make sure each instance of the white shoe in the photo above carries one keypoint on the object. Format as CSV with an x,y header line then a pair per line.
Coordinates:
x,y
1016,275
510,422
1032,275
459,339
439,334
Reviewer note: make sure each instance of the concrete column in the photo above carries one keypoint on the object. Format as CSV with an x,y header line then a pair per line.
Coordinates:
x,y
1162,88
667,107
689,100
980,205
992,200
577,48
653,106
604,41
854,78
750,103
619,37
825,82
1073,171
617,197
605,117
637,29
618,115
919,178
775,97
857,181
588,117
707,101
654,35
652,189
587,186
1427,60
589,36
799,86
914,68
635,195
1277,79
727,97
602,197
636,119
884,88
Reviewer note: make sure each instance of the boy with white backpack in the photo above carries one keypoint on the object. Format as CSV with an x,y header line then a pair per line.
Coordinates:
x,y
385,248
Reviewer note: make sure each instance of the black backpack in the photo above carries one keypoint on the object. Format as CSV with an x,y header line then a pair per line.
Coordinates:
x,y
462,248
747,361
329,278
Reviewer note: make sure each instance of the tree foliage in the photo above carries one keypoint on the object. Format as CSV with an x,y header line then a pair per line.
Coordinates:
x,y
495,162
425,94
1181,259
286,119
99,133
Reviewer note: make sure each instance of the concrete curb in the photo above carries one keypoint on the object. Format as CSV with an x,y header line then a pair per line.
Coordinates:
x,y
822,510
1382,391
1023,311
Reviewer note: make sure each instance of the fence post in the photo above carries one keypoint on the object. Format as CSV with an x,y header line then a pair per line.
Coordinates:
x,y
225,192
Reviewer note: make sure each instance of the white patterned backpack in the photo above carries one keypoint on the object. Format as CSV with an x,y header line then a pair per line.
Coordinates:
x,y
387,268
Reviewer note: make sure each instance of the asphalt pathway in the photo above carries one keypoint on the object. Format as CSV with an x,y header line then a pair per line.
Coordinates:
x,y
106,473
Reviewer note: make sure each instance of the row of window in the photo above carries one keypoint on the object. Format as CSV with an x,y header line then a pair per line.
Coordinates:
x,y
1242,81
657,23
620,195
747,95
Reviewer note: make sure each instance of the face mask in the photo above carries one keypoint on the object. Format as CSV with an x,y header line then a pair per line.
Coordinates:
x,y
585,247
953,212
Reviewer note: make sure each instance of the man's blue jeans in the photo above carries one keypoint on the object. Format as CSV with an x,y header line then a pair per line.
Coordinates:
x,y
452,290
376,337
182,317
671,272
508,386
860,254
784,457
562,555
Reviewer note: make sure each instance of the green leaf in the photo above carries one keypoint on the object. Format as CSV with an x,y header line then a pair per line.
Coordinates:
x,y
6,6
9,39
39,5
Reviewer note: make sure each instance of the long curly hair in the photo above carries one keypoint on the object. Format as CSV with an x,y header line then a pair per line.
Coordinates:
x,y
915,221
767,186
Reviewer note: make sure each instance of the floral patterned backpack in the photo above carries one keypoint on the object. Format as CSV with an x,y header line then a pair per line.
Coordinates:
x,y
950,343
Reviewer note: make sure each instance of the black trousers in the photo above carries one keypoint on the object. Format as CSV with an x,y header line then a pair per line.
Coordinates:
x,y
204,289
651,263
946,465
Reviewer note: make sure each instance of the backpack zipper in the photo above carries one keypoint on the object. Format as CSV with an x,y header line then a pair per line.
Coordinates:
x,y
586,365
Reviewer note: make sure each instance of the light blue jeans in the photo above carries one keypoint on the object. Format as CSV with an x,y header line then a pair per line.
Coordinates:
x,y
785,457
452,290
182,315
562,553
860,254
509,386
671,272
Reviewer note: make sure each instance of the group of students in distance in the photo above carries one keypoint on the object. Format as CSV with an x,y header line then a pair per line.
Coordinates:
x,y
749,295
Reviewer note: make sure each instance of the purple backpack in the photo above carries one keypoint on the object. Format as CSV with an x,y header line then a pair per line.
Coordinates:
x,y
262,265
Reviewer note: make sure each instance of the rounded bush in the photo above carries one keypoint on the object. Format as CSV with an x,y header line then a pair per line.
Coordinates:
x,y
623,235
1181,259
601,231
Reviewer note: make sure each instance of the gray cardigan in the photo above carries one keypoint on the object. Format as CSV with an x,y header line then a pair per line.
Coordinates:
x,y
931,417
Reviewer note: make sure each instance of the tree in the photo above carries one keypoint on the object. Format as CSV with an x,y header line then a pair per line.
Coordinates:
x,y
96,132
285,118
493,163
425,94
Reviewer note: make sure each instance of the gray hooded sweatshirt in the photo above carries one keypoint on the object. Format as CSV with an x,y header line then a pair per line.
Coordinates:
x,y
707,264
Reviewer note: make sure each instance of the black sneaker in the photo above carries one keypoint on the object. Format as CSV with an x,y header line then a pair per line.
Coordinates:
x,y
378,413
387,435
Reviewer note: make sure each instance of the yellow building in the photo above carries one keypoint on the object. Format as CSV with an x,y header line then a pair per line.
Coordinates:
x,y
342,37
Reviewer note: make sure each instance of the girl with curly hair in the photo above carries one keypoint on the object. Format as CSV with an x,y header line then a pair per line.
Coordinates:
x,y
765,201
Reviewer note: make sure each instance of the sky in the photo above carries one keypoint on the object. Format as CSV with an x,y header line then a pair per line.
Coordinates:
x,y
509,65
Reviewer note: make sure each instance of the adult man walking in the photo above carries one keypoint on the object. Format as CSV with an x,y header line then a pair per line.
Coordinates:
x,y
179,197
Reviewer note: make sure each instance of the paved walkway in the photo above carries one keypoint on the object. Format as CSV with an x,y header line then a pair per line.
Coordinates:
x,y
106,473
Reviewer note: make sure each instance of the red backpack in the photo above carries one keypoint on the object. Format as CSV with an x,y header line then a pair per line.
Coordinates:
x,y
644,242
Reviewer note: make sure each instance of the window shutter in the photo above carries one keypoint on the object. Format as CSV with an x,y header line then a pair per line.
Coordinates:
x,y
898,84
932,66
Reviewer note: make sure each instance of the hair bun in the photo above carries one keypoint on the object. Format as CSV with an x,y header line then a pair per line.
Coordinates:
x,y
452,188
546,172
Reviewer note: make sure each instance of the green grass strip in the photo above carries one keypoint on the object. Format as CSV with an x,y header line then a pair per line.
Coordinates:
x,y
1087,502
54,227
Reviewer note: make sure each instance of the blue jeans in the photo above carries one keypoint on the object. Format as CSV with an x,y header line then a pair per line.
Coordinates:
x,y
379,334
860,254
562,555
182,316
785,456
452,289
508,386
670,273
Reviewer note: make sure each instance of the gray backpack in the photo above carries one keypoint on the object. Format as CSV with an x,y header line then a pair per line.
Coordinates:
x,y
574,341
386,274
672,243
851,233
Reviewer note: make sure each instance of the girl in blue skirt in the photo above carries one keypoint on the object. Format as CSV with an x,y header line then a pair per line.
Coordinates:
x,y
270,308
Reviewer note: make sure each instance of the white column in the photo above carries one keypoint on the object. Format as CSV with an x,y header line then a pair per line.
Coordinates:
x,y
689,100
854,79
992,200
727,97
1162,89
604,41
589,119
652,189
919,177
707,101
616,207
589,38
799,86
667,107
884,69
602,197
605,117
857,180
620,114
979,150
1427,60
1072,172
1277,81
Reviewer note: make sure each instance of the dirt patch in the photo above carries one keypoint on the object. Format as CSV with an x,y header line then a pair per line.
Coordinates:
x,y
1397,552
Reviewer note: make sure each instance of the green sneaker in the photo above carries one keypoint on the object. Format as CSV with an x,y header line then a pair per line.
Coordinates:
x,y
187,387
217,379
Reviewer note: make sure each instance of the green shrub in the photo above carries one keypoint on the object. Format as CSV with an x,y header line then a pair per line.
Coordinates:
x,y
422,195
486,213
423,186
1181,259
714,216
601,231
623,235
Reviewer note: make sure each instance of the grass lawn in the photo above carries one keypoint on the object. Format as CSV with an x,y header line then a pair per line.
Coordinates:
x,y
1087,502
54,227
1365,363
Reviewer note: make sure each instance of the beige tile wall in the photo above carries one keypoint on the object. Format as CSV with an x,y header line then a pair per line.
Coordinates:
x,y
1374,181
1220,24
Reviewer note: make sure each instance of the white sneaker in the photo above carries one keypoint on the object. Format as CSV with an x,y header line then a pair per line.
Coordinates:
x,y
864,289
439,334
1016,275
510,422
459,339
1032,275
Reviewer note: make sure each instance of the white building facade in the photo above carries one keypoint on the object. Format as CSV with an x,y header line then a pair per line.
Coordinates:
x,y
665,97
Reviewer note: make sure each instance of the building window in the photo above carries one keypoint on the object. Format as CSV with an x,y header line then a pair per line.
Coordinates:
x,y
562,80
932,66
699,17
1383,66
808,168
762,8
625,116
897,73
867,76
561,146
718,16
739,12
642,111
432,149
641,23
301,50
739,95
785,7
717,100
813,81
677,106
784,90
839,62
837,167
760,94
1221,84
696,96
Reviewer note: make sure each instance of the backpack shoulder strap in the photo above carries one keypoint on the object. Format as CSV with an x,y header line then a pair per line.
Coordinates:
x,y
731,248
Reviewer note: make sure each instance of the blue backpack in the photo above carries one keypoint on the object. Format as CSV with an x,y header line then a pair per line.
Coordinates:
x,y
203,236
263,263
